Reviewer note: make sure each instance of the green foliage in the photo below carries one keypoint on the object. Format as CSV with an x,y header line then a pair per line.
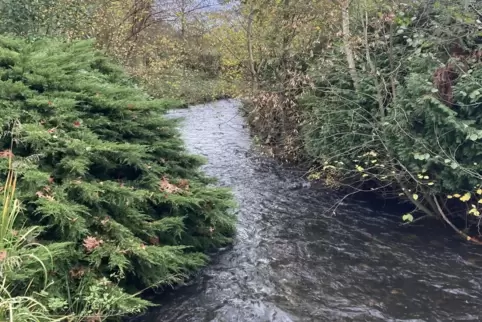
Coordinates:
x,y
413,121
41,17
188,65
100,168
24,264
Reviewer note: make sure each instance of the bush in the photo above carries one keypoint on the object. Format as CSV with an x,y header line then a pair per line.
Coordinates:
x,y
186,85
100,168
412,123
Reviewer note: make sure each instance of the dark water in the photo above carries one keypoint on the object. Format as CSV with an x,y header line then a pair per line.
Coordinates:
x,y
293,262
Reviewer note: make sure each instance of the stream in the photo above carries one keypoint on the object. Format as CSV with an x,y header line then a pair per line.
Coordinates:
x,y
294,260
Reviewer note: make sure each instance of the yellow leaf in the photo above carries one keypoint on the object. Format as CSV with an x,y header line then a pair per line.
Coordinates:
x,y
420,176
426,177
359,168
457,195
407,217
468,238
365,175
449,196
479,191
465,197
430,183
480,201
415,196
474,212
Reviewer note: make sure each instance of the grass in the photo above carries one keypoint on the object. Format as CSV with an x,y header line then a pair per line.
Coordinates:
x,y
21,297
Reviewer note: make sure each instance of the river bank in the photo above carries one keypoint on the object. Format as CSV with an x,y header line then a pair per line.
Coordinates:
x,y
290,262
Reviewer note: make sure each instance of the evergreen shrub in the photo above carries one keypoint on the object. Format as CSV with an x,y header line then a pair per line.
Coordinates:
x,y
103,173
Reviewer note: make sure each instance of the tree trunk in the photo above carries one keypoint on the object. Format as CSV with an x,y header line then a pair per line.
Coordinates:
x,y
249,37
350,57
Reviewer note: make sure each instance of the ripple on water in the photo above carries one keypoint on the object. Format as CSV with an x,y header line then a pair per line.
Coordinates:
x,y
292,262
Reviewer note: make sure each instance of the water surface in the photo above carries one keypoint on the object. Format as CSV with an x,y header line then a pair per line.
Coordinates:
x,y
294,261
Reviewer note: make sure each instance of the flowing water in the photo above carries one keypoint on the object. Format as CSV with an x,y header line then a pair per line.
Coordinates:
x,y
293,260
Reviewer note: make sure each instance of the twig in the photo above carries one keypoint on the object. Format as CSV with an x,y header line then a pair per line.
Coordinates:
x,y
415,220
461,233
475,9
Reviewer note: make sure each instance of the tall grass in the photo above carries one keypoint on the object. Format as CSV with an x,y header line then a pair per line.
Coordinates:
x,y
23,275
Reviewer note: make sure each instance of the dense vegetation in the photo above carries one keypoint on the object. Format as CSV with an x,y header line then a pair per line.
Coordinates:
x,y
115,201
172,47
378,96
375,95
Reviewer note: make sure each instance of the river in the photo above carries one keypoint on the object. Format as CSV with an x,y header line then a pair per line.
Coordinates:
x,y
293,261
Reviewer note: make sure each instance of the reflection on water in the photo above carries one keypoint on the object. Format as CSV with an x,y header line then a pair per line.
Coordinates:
x,y
290,262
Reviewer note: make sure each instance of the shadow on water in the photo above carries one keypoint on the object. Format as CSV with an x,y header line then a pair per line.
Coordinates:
x,y
292,262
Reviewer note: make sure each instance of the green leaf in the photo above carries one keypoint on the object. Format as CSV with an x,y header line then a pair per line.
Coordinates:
x,y
473,137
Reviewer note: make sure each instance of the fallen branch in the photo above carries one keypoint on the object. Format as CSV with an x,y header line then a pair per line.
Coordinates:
x,y
461,233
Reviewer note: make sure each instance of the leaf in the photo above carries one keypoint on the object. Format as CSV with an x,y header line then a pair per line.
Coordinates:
x,y
407,217
359,168
419,156
479,191
475,212
473,137
457,195
465,197
365,175
415,196
430,183
449,196
426,177
314,176
474,94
